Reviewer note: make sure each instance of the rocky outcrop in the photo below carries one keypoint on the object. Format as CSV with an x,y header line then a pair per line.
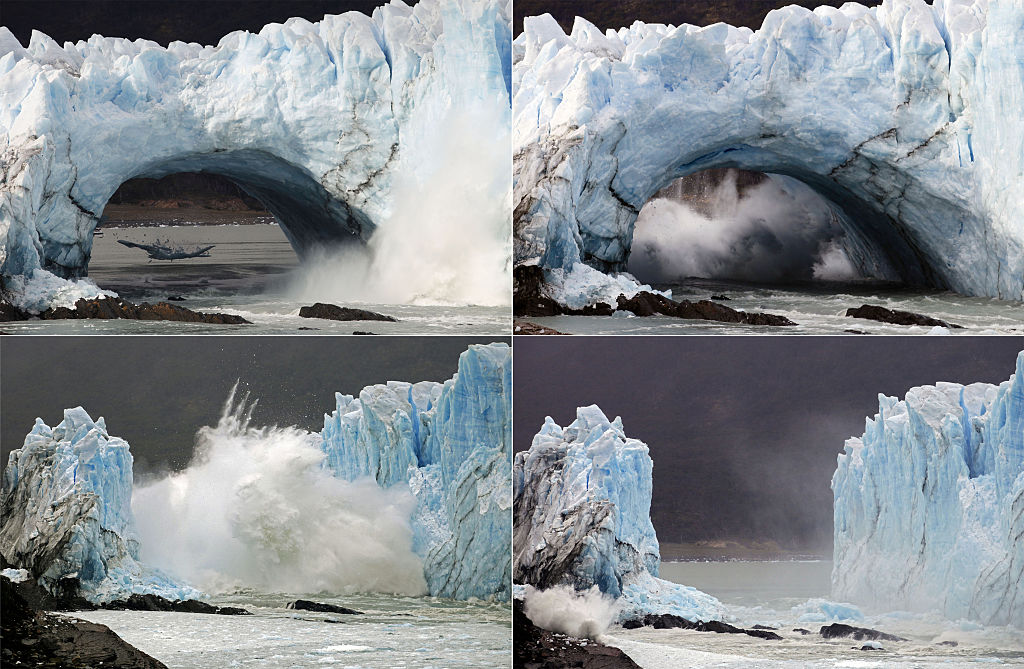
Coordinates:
x,y
881,314
528,328
117,308
150,602
648,304
534,303
29,638
841,631
536,648
307,605
669,621
335,313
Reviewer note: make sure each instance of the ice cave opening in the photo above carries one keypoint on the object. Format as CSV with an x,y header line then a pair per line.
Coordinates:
x,y
309,217
768,227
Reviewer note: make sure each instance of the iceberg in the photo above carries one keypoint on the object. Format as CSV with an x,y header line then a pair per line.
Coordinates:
x,y
906,116
316,120
929,504
451,443
66,509
582,500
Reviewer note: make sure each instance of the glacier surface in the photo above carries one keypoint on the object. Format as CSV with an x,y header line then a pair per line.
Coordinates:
x,y
67,494
907,116
66,509
315,120
929,504
451,443
582,500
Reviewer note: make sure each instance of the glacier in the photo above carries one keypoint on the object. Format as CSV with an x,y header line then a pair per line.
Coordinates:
x,y
66,509
929,504
451,442
582,499
67,493
315,120
907,116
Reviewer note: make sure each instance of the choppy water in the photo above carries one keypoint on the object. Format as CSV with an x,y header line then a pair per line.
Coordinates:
x,y
394,632
765,593
815,308
246,274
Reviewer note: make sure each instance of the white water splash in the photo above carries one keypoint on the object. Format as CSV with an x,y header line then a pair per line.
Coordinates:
x,y
256,509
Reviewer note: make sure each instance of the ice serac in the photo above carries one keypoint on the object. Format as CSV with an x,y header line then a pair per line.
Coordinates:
x,y
66,509
907,116
582,501
929,504
450,442
313,119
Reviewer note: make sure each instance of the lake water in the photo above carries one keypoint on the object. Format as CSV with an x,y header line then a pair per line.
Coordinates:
x,y
248,273
775,594
816,309
394,632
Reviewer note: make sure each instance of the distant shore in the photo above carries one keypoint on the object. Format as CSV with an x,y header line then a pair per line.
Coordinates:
x,y
731,550
133,216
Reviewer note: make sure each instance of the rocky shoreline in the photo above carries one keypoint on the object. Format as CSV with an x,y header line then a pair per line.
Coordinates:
x,y
118,308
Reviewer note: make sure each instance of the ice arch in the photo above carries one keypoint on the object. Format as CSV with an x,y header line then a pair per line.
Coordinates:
x,y
313,119
907,116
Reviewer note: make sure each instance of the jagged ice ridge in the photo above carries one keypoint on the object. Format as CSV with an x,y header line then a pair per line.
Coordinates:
x,y
66,509
451,443
929,504
582,500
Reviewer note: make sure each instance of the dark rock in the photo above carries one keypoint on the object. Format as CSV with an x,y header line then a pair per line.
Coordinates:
x,y
361,332
304,328
30,638
138,602
802,631
528,328
763,627
855,331
527,299
951,644
720,298
175,298
536,648
648,304
306,605
335,313
840,631
875,313
114,307
669,621
868,648
9,312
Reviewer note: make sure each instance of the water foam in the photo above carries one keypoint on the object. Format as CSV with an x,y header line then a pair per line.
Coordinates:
x,y
447,240
256,509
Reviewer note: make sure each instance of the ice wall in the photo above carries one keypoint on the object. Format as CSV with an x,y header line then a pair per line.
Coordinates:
x,y
451,443
906,115
582,501
316,120
929,504
66,510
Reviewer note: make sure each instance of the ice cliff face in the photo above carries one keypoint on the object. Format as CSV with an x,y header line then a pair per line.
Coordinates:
x,y
66,509
929,504
906,115
582,500
451,443
313,119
